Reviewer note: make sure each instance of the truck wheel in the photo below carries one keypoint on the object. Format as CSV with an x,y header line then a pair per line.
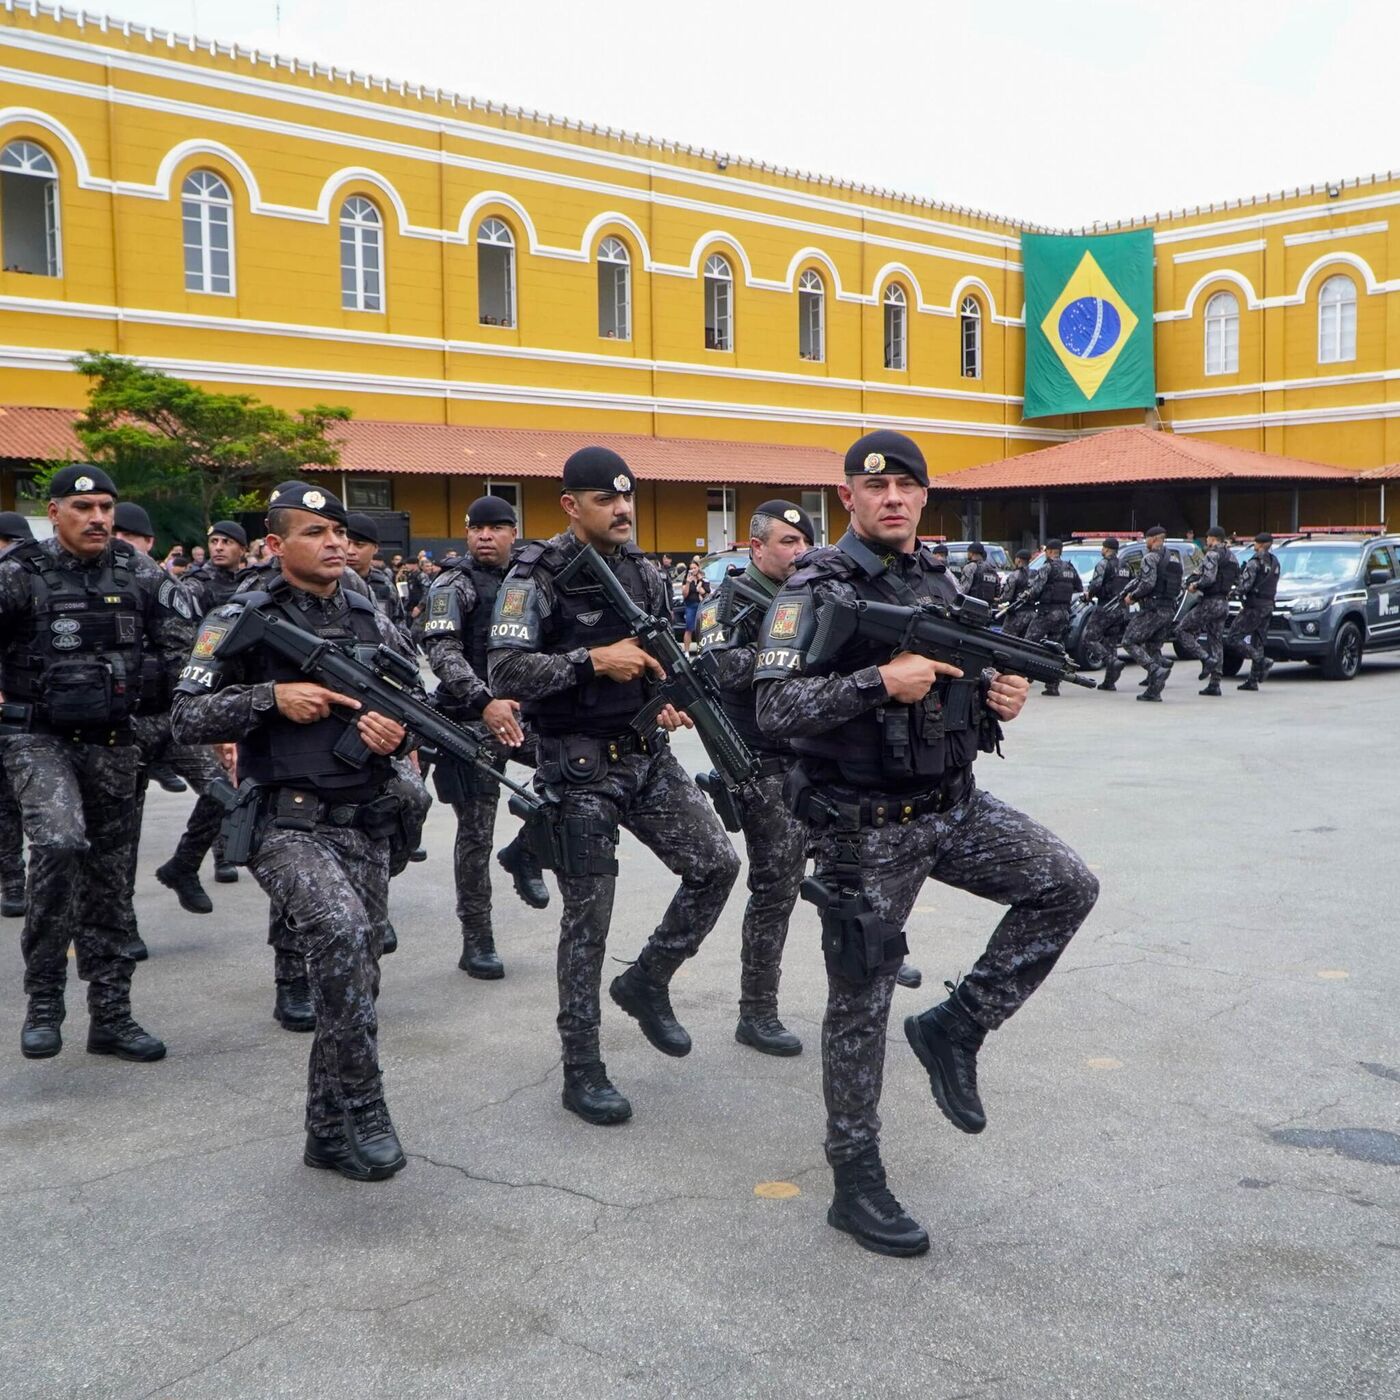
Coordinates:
x,y
1344,660
1234,663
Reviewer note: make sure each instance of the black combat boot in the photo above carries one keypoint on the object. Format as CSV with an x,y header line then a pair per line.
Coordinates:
x,y
909,976
1205,671
946,1040
135,949
865,1208
418,855
1256,674
479,958
168,778
224,873
116,1033
1052,689
41,1037
1156,681
524,871
649,1001
12,900
185,883
292,1008
366,1149
1113,668
1212,687
589,1092
391,940
764,1032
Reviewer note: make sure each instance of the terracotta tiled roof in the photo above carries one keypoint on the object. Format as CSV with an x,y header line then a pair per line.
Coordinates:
x,y
39,435
1127,456
1389,472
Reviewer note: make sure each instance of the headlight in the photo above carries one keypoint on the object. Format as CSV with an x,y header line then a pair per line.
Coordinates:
x,y
1313,604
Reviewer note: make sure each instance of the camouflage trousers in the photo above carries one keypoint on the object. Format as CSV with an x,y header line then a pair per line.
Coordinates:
x,y
1148,628
657,801
1048,625
332,888
984,847
777,847
1015,624
1249,629
11,827
1104,632
76,803
1207,619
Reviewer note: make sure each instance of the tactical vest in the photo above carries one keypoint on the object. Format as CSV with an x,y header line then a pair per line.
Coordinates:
x,y
280,753
79,663
582,618
1169,578
1115,579
1059,587
986,584
382,585
740,705
215,585
1266,580
1227,571
893,748
487,583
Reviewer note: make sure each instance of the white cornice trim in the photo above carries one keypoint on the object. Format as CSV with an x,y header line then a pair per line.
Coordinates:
x,y
1283,386
1292,240
1288,417
1256,223
1226,251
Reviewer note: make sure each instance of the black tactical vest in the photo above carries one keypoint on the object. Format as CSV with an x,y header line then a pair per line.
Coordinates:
x,y
1169,578
741,623
893,748
1059,586
582,618
381,584
986,583
79,662
487,583
1227,571
280,753
1266,580
1115,579
214,585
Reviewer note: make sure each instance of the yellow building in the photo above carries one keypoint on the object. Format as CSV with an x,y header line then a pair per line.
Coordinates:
x,y
315,235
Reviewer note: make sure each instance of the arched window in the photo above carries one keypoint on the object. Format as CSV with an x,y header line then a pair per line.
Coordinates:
x,y
896,327
719,303
1336,321
495,274
811,317
361,256
614,290
29,209
970,326
1223,334
206,218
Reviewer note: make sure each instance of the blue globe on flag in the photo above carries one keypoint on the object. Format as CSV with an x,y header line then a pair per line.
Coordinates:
x,y
1090,327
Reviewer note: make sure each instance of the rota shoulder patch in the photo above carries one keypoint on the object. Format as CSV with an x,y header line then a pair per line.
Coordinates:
x,y
786,616
513,602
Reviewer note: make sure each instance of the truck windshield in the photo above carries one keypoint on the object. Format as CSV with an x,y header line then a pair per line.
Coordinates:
x,y
1318,565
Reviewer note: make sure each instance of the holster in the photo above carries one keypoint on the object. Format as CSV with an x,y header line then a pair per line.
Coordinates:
x,y
857,943
458,783
242,808
566,844
728,804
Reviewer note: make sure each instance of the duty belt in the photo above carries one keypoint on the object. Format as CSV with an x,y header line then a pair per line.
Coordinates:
x,y
770,765
108,735
619,746
830,809
298,809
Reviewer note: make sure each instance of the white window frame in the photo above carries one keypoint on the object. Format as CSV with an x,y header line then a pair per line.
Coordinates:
x,y
30,159
719,304
1336,320
896,327
1222,333
614,300
728,511
207,200
970,337
361,228
494,232
492,487
818,515
811,317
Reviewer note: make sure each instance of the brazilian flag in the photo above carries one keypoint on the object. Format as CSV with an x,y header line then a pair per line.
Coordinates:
x,y
1088,322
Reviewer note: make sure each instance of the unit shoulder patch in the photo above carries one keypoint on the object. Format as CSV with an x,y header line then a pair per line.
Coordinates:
x,y
786,618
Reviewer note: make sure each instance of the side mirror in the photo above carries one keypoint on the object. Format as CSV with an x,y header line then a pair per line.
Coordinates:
x,y
1378,576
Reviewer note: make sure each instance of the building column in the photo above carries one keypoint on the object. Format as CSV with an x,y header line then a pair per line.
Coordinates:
x,y
1040,505
1294,525
1214,505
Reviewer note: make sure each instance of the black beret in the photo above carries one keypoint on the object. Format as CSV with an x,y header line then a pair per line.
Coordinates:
x,y
232,529
491,510
132,519
1054,544
1218,531
1023,554
82,479
794,515
1110,541
1154,530
316,500
13,526
1263,537
886,451
977,547
361,527
598,469
941,549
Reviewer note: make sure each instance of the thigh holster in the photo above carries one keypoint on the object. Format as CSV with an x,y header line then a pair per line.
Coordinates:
x,y
857,943
567,843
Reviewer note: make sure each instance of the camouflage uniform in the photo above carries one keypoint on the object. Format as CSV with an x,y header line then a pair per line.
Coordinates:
x,y
1109,579
1014,591
1152,624
1208,618
386,594
11,830
77,795
1258,585
601,776
864,763
212,585
330,880
1052,590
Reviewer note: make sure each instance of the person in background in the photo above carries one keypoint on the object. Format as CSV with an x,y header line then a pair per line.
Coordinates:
x,y
693,593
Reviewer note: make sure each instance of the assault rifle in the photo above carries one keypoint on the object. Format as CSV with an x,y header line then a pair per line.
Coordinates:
x,y
689,685
959,633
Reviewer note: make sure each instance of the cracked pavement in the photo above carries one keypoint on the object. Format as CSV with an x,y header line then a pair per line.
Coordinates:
x,y
1158,1207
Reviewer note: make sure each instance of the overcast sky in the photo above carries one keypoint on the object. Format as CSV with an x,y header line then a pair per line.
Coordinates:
x,y
1054,112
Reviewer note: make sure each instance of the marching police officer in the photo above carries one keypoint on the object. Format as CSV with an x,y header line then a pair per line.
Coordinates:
x,y
567,656
1258,586
363,532
1207,618
13,529
1109,579
979,578
1014,598
213,582
453,629
321,845
885,782
78,613
1051,592
1155,591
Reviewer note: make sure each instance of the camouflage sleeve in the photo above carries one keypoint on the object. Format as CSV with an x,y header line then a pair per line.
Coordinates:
x,y
211,705
968,575
731,645
1249,576
15,595
1209,569
1010,588
440,628
516,668
1036,586
791,704
1147,579
170,618
1095,588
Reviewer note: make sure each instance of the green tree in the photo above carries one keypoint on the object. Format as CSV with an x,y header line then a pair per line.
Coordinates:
x,y
169,440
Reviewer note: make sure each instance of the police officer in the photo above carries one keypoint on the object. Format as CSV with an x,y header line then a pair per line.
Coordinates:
x,y
979,578
453,629
1014,598
1155,591
13,529
363,531
1109,579
939,558
214,581
78,613
581,677
885,782
1207,618
1051,592
1258,586
322,838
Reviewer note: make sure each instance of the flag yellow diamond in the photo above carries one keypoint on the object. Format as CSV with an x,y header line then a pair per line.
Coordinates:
x,y
1089,325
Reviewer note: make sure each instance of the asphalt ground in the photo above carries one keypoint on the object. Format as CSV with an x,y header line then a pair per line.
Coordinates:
x,y
1190,1185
